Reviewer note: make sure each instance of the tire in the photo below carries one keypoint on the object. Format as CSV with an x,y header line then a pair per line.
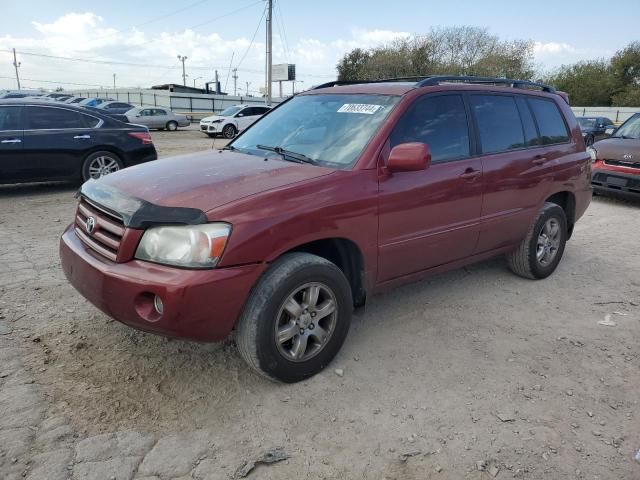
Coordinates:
x,y
172,126
525,261
211,135
99,164
293,276
229,131
589,141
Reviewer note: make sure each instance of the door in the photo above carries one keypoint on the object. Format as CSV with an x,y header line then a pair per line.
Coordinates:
x,y
144,117
56,141
160,118
518,156
431,217
245,118
11,162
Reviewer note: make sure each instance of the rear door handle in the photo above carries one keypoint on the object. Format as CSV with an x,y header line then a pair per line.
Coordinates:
x,y
539,160
13,140
82,137
470,174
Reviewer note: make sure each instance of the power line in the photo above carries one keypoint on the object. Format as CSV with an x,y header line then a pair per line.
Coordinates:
x,y
59,83
223,16
170,14
252,39
283,33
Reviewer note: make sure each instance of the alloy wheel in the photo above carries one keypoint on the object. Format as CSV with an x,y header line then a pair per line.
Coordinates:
x,y
102,165
548,242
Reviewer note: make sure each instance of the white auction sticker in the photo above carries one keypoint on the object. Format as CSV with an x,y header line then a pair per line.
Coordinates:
x,y
365,108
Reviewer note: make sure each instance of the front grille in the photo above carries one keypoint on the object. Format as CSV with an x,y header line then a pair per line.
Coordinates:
x,y
618,163
203,127
105,236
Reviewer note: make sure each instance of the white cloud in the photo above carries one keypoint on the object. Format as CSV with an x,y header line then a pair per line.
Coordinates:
x,y
88,36
553,54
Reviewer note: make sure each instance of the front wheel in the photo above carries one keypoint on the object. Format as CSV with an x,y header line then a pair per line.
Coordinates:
x,y
296,318
540,252
229,131
99,164
172,126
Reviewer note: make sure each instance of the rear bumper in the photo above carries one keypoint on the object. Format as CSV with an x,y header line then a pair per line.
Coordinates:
x,y
141,155
200,305
608,182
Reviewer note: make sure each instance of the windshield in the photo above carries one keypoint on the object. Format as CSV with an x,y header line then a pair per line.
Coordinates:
x,y
630,128
231,111
328,129
586,123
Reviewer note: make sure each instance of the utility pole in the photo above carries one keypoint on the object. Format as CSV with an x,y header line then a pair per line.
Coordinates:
x,y
184,75
269,49
114,81
194,81
16,64
235,82
248,83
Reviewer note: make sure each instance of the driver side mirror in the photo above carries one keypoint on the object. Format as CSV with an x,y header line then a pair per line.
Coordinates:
x,y
240,115
409,157
609,131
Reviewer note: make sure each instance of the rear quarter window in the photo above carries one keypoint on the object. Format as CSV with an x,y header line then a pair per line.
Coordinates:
x,y
550,121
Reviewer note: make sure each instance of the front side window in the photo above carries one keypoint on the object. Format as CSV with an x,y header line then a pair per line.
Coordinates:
x,y
45,118
550,123
440,122
630,128
498,122
586,123
10,118
328,129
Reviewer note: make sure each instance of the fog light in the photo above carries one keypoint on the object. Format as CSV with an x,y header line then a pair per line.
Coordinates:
x,y
157,304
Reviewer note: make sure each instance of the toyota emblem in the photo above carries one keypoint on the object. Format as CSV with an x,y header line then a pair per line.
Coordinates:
x,y
90,224
627,156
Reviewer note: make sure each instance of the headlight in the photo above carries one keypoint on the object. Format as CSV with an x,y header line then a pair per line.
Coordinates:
x,y
216,121
191,246
594,154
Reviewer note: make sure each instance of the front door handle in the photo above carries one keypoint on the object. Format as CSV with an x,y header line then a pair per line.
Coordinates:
x,y
539,160
82,137
13,140
470,174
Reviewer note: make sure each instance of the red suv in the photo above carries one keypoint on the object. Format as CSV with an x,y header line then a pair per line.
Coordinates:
x,y
336,194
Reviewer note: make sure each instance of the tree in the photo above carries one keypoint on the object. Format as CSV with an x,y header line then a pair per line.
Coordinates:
x,y
625,65
588,83
452,50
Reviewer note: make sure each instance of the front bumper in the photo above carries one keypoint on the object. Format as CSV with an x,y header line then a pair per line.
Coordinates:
x,y
608,182
211,127
200,305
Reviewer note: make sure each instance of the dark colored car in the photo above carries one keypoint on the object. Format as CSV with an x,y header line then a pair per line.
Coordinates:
x,y
115,107
616,167
118,116
336,194
46,141
594,128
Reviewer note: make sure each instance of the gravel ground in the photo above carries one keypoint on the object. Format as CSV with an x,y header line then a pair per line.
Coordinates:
x,y
472,374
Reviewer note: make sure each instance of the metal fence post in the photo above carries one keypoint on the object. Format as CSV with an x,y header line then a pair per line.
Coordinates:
x,y
128,97
617,114
155,100
141,99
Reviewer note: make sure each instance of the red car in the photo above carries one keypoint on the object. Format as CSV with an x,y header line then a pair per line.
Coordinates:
x,y
616,167
336,194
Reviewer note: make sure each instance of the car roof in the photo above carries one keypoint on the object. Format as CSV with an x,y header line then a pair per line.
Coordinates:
x,y
45,103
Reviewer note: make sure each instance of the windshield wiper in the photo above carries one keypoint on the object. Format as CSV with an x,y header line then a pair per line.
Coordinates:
x,y
229,147
288,154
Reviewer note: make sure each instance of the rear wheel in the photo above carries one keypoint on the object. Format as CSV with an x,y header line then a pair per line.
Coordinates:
x,y
172,126
540,252
229,131
99,164
296,318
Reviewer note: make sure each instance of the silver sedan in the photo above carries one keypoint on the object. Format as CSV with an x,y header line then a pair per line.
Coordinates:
x,y
155,117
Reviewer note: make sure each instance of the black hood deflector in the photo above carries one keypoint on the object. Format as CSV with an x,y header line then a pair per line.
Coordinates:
x,y
136,212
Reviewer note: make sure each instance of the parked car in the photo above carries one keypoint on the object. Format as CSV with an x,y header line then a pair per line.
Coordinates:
x,y
44,141
156,117
74,100
57,96
616,161
8,94
94,101
336,194
115,107
232,120
593,128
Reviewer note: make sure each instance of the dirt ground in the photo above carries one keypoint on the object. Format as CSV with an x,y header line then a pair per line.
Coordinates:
x,y
472,374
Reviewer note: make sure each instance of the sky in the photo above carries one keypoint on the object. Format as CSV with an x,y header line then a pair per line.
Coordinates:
x,y
139,41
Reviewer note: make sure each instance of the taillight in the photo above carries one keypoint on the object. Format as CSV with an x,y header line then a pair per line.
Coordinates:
x,y
145,137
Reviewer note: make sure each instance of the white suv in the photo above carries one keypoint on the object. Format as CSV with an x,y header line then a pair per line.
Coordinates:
x,y
232,120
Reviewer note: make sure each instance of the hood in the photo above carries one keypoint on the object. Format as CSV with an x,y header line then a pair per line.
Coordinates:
x,y
209,179
211,118
620,149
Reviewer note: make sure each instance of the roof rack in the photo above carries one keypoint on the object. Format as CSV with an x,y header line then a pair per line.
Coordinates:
x,y
429,81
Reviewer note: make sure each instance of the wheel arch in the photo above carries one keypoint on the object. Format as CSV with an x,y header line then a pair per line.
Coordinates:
x,y
346,255
102,148
567,201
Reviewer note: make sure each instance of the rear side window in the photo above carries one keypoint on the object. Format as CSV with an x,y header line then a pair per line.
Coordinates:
x,y
45,118
550,122
528,124
439,121
88,121
498,122
10,118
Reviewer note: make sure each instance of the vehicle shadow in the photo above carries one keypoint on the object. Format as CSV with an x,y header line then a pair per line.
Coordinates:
x,y
25,189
